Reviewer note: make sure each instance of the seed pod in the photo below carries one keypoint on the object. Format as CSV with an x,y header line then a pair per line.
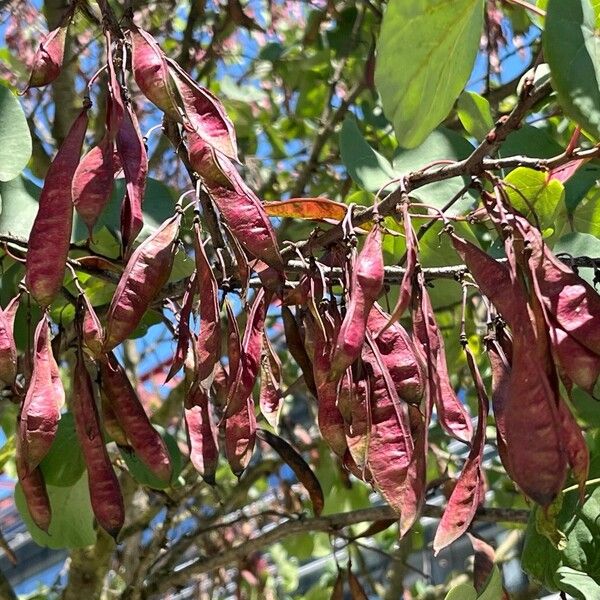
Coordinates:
x,y
147,271
366,285
57,386
134,159
270,396
354,404
41,408
467,493
208,343
240,437
296,348
48,59
452,414
8,349
34,490
390,445
132,417
234,346
242,269
202,434
239,206
535,452
247,371
399,355
331,422
151,73
183,328
576,363
357,592
105,493
92,331
93,182
500,389
298,465
204,113
407,279
111,424
338,587
50,235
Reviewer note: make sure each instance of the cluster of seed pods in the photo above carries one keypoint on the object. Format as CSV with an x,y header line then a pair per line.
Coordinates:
x,y
376,386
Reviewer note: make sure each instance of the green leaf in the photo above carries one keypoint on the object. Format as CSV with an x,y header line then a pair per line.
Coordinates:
x,y
462,591
580,244
64,464
572,49
531,192
365,165
15,139
72,524
19,206
442,144
425,55
475,114
140,472
7,451
530,141
577,584
586,218
582,552
493,586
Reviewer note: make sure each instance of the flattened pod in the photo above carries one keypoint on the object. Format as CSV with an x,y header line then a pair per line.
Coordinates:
x,y
467,493
204,113
50,235
151,72
105,493
48,59
366,285
208,343
132,152
399,355
41,408
93,182
202,434
8,349
533,441
390,443
240,437
147,271
132,417
295,345
249,365
270,395
93,333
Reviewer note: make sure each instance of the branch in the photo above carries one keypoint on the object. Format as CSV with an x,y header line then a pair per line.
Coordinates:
x,y
330,523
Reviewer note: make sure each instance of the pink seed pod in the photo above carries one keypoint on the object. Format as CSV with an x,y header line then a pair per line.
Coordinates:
x,y
202,434
240,437
111,424
239,206
134,160
34,490
147,271
93,333
399,355
451,413
270,395
208,342
353,402
204,113
50,236
48,59
183,328
132,418
366,285
105,492
249,364
151,73
8,349
41,408
93,182
390,446
468,491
